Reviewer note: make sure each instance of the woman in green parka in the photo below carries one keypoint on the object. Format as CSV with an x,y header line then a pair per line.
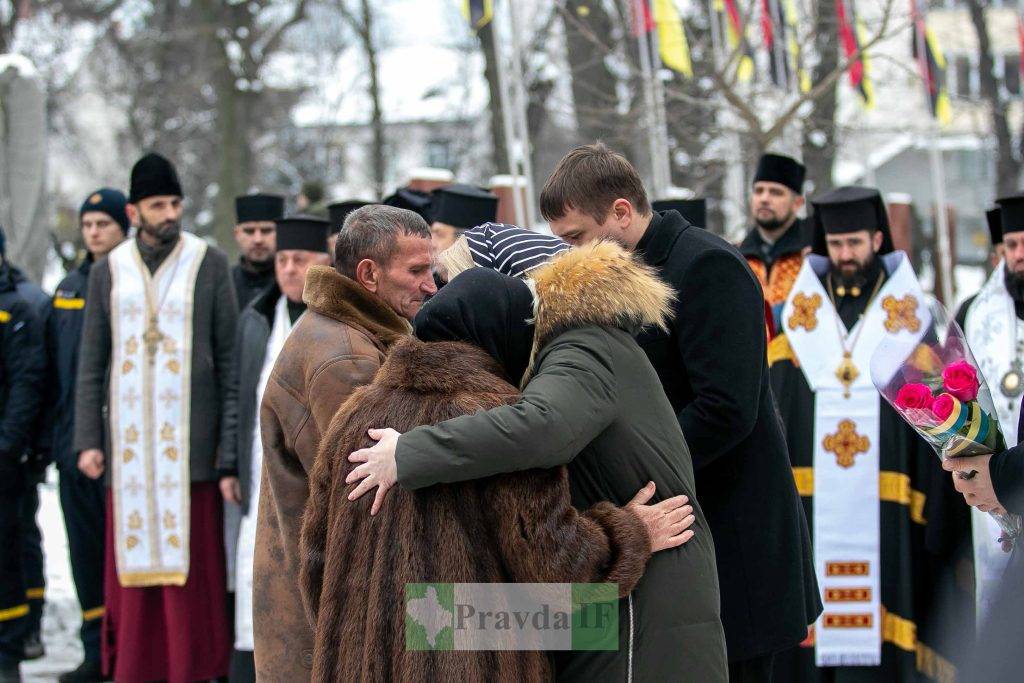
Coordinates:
x,y
591,400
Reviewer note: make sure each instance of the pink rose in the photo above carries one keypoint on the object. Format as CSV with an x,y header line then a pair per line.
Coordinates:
x,y
914,396
961,380
943,406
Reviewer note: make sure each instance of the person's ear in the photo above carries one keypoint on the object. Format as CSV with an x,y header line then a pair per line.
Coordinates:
x,y
798,203
877,240
368,275
133,214
623,212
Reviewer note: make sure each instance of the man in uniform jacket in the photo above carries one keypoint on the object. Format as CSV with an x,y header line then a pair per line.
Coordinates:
x,y
22,377
712,365
36,458
104,224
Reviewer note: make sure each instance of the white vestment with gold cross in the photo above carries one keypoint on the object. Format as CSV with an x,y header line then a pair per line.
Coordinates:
x,y
150,398
847,537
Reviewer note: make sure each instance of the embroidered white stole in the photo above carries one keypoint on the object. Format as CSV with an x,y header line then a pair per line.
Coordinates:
x,y
992,331
150,398
247,531
847,538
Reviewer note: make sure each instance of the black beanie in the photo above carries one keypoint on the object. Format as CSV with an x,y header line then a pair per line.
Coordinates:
x,y
111,202
307,233
258,207
777,168
153,175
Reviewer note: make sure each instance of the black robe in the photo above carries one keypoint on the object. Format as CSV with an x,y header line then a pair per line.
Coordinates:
x,y
929,620
250,280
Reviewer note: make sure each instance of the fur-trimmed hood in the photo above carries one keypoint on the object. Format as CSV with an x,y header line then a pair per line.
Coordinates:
x,y
597,284
332,294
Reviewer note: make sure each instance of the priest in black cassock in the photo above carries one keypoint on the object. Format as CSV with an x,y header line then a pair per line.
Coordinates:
x,y
885,523
254,233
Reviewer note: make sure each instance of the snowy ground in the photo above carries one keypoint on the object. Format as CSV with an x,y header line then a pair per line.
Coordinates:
x,y
62,615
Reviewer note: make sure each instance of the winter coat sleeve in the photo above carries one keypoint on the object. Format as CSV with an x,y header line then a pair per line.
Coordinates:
x,y
227,455
225,320
544,539
569,401
93,361
24,366
1007,470
721,340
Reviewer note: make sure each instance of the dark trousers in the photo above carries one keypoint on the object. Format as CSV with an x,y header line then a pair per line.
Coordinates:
x,y
756,670
33,565
13,605
243,667
83,501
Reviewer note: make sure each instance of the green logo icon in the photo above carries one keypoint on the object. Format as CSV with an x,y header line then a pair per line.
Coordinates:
x,y
429,616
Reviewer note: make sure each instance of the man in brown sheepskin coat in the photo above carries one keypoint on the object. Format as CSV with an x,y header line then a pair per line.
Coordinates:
x,y
355,312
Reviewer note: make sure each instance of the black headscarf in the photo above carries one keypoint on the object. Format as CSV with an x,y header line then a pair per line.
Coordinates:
x,y
486,309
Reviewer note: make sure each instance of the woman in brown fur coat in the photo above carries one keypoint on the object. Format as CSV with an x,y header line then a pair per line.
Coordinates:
x,y
510,528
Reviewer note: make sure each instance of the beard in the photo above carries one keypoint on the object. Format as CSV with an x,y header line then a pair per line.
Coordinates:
x,y
1014,282
164,232
773,223
853,274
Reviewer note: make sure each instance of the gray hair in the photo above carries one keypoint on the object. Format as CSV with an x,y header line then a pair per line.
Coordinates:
x,y
372,232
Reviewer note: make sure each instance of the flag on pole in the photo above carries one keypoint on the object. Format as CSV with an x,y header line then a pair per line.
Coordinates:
x,y
789,19
643,22
932,64
849,41
773,32
672,44
1020,37
737,38
478,12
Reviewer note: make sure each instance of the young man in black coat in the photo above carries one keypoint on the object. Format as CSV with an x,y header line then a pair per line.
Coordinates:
x,y
104,224
712,364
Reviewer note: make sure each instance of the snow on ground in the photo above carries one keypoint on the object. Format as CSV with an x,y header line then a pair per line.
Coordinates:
x,y
62,616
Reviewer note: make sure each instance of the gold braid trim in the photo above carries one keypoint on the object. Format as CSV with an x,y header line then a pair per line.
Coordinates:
x,y
893,487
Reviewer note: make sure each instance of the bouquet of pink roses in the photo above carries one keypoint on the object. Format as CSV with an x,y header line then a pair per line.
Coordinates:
x,y
935,384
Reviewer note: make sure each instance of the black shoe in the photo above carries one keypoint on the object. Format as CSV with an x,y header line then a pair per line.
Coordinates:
x,y
87,672
9,673
34,646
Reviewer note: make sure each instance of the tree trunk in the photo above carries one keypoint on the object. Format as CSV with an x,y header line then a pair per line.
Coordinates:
x,y
819,134
234,170
589,31
499,151
377,121
1008,168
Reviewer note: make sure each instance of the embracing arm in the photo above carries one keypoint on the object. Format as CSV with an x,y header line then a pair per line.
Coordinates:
x,y
721,342
569,401
544,539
